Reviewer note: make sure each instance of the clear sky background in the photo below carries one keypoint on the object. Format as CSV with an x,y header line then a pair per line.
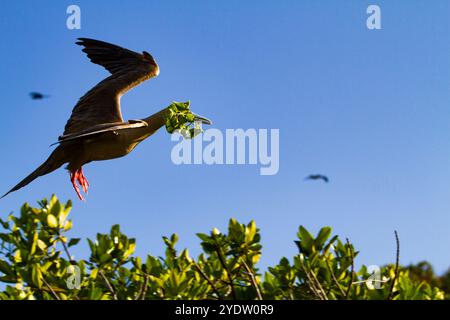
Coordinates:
x,y
371,109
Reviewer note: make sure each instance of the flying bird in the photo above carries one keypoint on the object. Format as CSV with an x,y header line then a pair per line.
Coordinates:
x,y
96,130
317,177
38,95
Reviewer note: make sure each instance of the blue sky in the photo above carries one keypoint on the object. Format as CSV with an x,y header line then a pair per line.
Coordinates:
x,y
368,108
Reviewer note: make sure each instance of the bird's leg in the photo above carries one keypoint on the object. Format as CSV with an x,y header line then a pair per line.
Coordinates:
x,y
83,181
74,179
77,176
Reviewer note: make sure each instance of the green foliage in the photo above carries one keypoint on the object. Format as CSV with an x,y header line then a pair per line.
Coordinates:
x,y
423,272
35,263
180,118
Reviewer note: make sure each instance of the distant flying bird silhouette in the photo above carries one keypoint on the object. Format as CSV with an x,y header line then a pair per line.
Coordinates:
x,y
317,177
38,95
96,130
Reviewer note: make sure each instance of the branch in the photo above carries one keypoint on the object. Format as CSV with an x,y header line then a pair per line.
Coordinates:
x,y
352,269
142,289
50,288
324,295
253,280
108,284
333,276
207,279
397,262
318,292
222,262
66,249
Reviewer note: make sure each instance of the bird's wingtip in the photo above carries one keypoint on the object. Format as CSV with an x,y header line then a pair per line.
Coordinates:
x,y
81,41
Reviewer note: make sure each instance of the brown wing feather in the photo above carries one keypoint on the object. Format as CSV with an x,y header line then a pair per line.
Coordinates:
x,y
101,104
102,128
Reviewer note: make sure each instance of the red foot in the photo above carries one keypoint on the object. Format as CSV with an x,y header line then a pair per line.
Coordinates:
x,y
78,176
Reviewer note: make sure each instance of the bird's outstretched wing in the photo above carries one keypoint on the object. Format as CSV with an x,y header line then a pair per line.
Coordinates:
x,y
102,128
38,95
317,177
101,104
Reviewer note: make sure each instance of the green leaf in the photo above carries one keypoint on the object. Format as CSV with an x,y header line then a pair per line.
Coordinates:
x,y
174,238
306,239
51,221
67,225
56,208
105,258
204,237
5,267
250,231
36,275
130,250
323,236
17,256
4,224
73,241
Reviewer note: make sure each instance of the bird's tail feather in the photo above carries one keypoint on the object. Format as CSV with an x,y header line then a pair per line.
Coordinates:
x,y
51,164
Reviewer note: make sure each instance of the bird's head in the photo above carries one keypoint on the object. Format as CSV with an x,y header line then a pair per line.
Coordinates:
x,y
201,119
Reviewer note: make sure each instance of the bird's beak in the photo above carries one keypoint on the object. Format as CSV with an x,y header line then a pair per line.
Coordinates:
x,y
202,119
